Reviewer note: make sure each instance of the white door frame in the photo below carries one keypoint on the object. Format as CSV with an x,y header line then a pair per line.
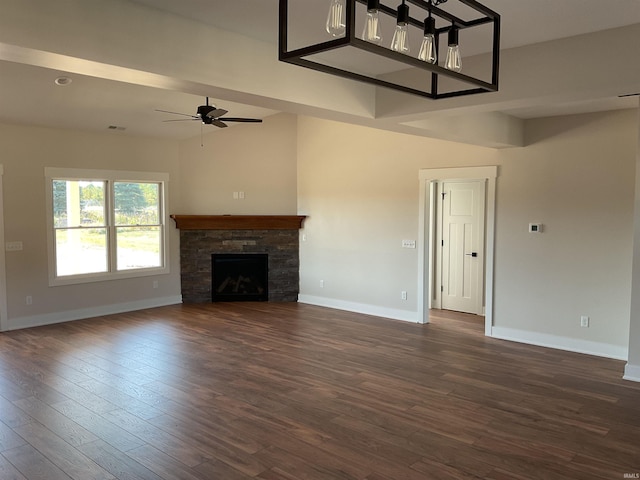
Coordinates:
x,y
426,252
4,325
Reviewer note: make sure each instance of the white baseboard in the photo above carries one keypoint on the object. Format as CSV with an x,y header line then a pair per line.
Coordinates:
x,y
561,343
375,310
632,372
69,315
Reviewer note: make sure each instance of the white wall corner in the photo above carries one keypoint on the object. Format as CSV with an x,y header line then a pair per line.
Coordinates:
x,y
632,372
3,271
366,309
561,343
80,314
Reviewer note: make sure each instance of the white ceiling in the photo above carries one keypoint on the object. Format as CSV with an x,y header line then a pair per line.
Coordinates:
x,y
523,21
28,94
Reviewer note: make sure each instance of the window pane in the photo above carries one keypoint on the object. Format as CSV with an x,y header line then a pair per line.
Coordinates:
x,y
82,250
138,247
78,203
137,203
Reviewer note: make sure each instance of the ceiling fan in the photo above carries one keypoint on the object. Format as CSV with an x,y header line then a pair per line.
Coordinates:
x,y
210,115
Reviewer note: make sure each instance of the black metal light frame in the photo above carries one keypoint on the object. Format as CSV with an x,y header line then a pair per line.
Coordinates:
x,y
488,16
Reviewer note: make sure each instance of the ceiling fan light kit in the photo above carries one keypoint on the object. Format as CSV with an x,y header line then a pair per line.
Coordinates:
x,y
428,76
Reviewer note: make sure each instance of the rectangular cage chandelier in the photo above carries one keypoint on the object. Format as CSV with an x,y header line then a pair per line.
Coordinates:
x,y
347,39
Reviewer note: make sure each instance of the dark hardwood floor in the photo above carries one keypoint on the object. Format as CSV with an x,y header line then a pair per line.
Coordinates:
x,y
295,392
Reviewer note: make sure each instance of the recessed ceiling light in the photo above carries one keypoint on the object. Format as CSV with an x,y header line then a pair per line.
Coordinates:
x,y
63,81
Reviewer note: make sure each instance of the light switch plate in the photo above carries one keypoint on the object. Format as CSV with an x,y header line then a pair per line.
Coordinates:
x,y
13,246
408,244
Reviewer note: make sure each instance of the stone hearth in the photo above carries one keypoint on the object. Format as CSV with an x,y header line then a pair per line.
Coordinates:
x,y
201,236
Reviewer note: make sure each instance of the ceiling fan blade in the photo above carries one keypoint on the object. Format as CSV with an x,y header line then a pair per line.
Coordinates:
x,y
182,120
218,112
218,123
244,120
177,113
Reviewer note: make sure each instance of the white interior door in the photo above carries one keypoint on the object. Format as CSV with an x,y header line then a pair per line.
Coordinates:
x,y
462,245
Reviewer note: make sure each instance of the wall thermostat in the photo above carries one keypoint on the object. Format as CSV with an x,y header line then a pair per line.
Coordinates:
x,y
535,228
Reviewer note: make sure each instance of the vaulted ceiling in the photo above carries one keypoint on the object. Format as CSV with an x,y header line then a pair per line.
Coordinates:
x,y
127,58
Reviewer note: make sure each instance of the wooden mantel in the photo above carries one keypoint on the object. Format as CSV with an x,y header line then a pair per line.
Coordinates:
x,y
239,222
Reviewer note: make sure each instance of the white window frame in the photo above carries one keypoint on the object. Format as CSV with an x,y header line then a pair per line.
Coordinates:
x,y
110,176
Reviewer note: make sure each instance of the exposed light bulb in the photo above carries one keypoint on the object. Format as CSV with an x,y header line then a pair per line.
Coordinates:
x,y
400,40
428,52
371,32
453,61
336,18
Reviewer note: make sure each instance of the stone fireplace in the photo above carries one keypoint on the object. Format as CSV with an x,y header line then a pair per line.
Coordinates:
x,y
202,236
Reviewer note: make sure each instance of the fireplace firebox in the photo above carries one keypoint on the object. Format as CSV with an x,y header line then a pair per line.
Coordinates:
x,y
237,277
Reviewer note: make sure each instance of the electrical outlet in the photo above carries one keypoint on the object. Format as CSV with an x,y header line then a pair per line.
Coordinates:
x,y
155,284
584,321
321,283
403,295
29,300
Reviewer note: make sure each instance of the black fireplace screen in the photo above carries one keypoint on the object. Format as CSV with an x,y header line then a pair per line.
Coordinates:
x,y
239,277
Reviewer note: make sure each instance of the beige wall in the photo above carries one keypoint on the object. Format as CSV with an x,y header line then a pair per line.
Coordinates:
x,y
575,177
360,189
26,151
259,160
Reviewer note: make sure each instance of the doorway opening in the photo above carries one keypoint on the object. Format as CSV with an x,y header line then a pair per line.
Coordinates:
x,y
428,281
